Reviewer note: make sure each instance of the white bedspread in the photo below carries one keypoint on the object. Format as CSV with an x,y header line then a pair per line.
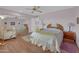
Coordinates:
x,y
52,42
7,33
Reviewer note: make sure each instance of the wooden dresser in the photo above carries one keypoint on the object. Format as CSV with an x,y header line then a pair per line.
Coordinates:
x,y
69,37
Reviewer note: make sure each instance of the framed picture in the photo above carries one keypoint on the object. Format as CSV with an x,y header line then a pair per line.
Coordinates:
x,y
77,20
12,23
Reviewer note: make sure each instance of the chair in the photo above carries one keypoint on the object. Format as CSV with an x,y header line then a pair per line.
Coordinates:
x,y
7,34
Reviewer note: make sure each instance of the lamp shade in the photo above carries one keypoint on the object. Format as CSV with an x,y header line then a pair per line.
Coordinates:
x,y
71,24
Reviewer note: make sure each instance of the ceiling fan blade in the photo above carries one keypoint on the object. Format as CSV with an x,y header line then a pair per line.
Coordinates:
x,y
39,11
35,9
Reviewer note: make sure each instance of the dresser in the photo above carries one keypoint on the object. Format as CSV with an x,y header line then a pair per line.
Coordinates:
x,y
69,37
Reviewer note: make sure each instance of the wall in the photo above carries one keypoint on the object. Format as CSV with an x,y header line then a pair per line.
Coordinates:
x,y
19,22
77,26
22,21
63,17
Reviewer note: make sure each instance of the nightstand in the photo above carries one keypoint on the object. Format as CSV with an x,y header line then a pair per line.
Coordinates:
x,y
69,37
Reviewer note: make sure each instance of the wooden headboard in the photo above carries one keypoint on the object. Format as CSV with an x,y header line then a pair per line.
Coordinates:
x,y
49,26
58,26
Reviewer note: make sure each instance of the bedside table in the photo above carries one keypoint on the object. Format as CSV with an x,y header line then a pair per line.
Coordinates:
x,y
70,37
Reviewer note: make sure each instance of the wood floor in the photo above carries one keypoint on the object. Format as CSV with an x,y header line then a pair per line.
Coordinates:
x,y
18,45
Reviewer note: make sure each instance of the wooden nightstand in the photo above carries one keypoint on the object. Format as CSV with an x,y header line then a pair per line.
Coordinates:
x,y
70,37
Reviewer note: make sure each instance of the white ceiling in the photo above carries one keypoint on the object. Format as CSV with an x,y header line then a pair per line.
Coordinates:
x,y
24,9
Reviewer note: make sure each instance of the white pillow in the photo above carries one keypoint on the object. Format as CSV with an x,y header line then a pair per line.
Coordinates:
x,y
54,25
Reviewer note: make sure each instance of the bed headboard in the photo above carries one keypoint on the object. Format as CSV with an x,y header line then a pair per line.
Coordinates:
x,y
58,26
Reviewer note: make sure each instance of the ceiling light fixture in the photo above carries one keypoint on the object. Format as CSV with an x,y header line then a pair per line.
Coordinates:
x,y
35,9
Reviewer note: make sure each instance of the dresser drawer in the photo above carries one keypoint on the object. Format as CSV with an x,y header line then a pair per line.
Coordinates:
x,y
69,36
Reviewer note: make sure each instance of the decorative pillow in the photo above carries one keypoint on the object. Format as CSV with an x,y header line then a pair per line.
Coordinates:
x,y
58,26
37,30
45,32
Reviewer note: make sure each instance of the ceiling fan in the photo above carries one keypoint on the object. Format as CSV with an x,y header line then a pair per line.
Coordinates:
x,y
35,9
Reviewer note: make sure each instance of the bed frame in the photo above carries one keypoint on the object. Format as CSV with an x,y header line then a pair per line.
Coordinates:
x,y
58,26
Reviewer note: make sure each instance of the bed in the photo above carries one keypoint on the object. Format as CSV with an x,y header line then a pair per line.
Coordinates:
x,y
49,38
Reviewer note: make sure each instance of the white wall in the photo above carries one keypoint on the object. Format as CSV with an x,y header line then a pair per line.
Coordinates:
x,y
64,17
19,22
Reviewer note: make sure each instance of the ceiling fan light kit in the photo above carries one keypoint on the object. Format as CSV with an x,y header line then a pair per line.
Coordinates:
x,y
35,9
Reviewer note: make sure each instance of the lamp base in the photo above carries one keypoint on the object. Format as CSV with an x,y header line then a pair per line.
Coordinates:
x,y
69,28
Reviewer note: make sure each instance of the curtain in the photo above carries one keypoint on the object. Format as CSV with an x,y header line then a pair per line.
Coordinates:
x,y
36,22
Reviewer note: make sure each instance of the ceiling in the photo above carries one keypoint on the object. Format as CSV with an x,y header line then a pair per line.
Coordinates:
x,y
24,9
